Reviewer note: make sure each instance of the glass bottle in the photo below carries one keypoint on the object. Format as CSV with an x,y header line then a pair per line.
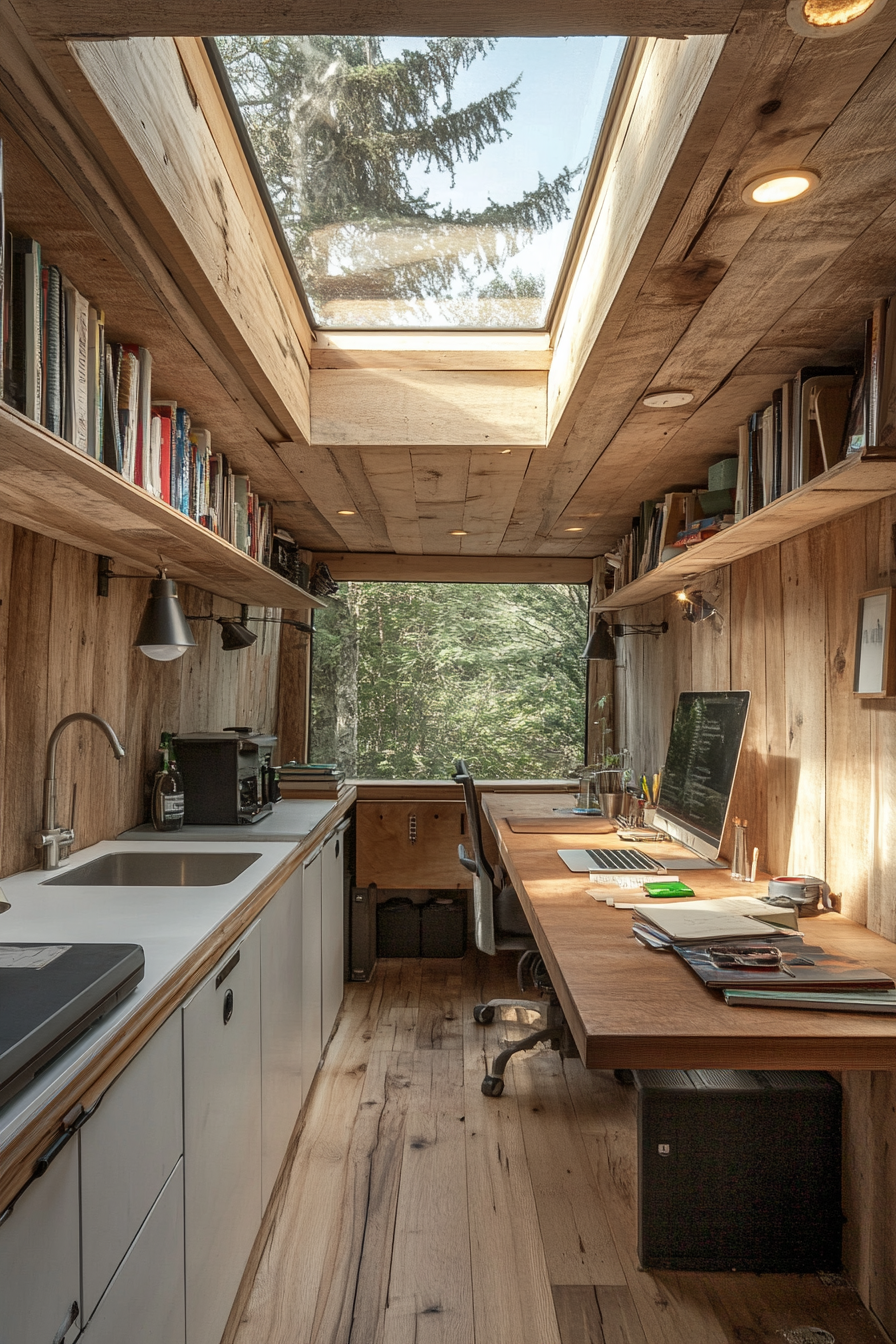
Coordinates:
x,y
167,790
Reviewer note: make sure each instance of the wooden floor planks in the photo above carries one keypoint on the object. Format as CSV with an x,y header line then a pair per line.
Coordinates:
x,y
417,1211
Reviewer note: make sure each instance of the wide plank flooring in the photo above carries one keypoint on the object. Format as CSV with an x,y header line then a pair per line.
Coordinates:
x,y
417,1211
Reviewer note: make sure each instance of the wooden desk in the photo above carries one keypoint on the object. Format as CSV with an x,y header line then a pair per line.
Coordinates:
x,y
628,1007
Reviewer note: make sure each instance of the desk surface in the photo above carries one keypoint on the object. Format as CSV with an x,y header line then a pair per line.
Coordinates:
x,y
628,1007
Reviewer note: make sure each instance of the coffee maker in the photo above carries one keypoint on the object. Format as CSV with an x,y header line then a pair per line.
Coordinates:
x,y
228,777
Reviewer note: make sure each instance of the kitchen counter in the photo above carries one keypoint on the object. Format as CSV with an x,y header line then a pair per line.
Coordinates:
x,y
291,821
183,930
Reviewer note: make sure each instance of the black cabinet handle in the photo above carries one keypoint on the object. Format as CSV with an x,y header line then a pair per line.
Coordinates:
x,y
228,1006
337,848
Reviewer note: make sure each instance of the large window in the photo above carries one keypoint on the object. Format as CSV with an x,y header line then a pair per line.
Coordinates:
x,y
408,676
424,182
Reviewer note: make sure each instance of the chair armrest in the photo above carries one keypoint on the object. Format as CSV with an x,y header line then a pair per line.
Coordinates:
x,y
470,864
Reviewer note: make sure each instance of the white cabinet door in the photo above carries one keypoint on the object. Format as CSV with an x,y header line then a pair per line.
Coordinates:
x,y
222,1135
128,1151
311,917
144,1303
332,931
39,1260
281,1026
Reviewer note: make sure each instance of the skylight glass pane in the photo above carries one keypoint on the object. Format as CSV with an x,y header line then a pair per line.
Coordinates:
x,y
425,182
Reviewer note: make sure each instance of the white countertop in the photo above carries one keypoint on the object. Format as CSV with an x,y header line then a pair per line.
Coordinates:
x,y
291,820
168,922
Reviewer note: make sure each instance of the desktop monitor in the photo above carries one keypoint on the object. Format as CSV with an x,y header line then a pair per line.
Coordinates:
x,y
704,747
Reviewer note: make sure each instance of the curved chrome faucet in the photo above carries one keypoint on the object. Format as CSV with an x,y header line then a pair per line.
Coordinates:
x,y
54,842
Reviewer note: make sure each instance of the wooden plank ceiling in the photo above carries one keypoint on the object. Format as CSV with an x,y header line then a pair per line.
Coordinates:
x,y
539,445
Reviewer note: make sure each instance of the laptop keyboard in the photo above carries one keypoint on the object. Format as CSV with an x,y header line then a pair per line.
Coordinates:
x,y
623,861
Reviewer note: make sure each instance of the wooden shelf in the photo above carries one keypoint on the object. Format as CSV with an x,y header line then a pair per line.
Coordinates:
x,y
848,486
48,486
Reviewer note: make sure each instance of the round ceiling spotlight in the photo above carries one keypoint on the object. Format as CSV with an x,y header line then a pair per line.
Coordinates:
x,y
658,401
346,513
831,18
459,533
785,185
573,529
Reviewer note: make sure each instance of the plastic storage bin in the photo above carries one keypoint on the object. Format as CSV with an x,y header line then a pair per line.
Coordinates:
x,y
398,928
443,928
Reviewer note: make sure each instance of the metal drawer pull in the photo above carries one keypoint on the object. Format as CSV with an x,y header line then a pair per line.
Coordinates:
x,y
228,1006
412,828
225,970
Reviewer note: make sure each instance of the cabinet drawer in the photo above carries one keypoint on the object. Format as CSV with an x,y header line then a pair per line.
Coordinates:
x,y
411,844
128,1151
39,1269
144,1303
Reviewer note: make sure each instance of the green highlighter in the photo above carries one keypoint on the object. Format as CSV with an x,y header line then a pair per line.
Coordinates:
x,y
670,888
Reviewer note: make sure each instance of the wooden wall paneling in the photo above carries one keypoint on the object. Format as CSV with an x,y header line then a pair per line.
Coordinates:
x,y
527,18
493,484
167,156
710,650
882,1277
882,723
390,473
411,844
487,408
804,672
6,539
766,569
848,776
319,474
748,636
862,1134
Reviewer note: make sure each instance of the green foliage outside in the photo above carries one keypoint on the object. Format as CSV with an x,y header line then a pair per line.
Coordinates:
x,y
336,126
408,676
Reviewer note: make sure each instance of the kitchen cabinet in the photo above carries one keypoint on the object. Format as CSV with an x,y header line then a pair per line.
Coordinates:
x,y
281,1026
332,950
39,1258
312,890
411,843
222,1134
128,1150
144,1303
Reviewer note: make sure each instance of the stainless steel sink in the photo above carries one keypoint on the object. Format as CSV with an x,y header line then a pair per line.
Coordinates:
x,y
160,868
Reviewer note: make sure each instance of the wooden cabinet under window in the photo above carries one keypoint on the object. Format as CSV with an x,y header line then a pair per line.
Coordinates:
x,y
411,843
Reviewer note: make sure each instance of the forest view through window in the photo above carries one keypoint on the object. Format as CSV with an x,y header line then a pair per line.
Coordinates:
x,y
406,677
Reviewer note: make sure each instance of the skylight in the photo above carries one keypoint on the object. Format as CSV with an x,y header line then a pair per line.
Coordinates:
x,y
425,182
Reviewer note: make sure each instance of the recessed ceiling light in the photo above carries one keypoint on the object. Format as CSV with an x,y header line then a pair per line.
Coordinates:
x,y
573,529
346,513
785,185
506,450
458,533
831,18
660,400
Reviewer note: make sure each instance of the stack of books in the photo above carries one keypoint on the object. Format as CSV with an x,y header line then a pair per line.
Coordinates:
x,y
298,779
757,962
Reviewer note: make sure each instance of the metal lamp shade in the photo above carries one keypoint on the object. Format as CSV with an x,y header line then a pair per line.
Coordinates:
x,y
601,646
235,635
164,633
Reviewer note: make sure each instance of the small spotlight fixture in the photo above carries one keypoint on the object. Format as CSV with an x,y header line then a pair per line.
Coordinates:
x,y
660,401
696,607
601,646
505,451
346,513
831,18
459,532
775,188
573,529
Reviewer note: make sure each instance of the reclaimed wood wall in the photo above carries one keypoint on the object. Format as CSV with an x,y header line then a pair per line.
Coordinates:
x,y
64,649
816,781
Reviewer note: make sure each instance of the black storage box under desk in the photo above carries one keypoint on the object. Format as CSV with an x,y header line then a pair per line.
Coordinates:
x,y
398,928
443,928
738,1170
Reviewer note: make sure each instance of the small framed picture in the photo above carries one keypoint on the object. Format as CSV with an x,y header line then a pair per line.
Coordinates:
x,y
875,669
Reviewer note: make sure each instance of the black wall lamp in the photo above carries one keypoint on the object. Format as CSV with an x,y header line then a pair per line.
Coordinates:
x,y
164,634
696,607
601,646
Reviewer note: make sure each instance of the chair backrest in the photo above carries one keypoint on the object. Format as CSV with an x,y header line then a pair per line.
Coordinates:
x,y
465,780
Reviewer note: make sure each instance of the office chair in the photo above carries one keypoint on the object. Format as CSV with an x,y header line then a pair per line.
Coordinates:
x,y
500,925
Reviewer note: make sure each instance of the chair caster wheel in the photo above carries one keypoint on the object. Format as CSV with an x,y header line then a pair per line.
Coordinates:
x,y
483,1014
492,1086
623,1076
